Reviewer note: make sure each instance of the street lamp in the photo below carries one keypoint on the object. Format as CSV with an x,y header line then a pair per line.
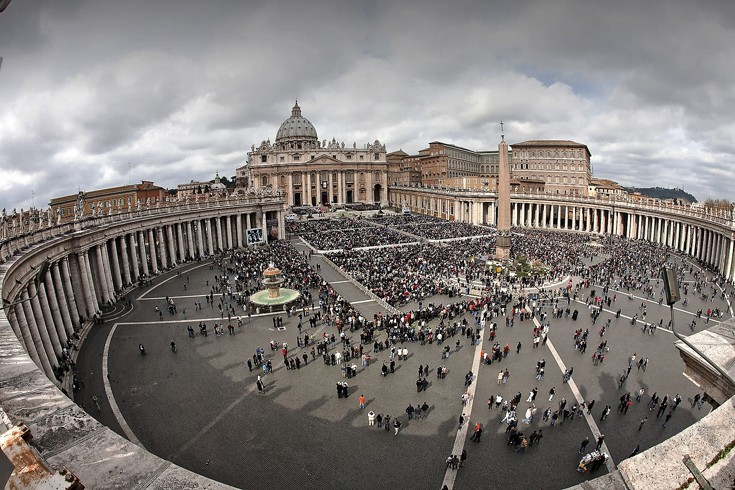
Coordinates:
x,y
37,280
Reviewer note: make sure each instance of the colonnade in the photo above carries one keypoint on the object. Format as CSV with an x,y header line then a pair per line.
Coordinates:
x,y
707,237
96,269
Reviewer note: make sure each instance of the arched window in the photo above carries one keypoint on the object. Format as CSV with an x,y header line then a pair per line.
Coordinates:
x,y
264,180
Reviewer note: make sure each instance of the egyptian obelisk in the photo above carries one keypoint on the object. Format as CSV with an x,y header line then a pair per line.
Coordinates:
x,y
502,247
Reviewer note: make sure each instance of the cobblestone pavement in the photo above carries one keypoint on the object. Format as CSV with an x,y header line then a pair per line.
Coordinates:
x,y
199,407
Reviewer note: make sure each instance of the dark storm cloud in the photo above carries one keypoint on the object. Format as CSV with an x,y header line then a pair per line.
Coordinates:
x,y
182,89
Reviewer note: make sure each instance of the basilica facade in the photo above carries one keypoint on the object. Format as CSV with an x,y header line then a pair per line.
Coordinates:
x,y
310,172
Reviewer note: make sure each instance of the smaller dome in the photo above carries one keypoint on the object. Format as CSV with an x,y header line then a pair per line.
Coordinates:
x,y
296,128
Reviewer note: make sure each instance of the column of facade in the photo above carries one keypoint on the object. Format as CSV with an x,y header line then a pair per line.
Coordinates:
x,y
289,190
341,187
62,301
24,334
73,301
101,274
43,328
48,300
306,186
330,180
117,278
42,352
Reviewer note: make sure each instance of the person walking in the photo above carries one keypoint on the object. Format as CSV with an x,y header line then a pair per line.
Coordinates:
x,y
552,392
362,401
260,385
396,426
600,440
583,446
589,407
643,422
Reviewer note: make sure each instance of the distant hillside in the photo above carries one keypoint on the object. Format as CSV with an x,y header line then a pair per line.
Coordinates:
x,y
661,193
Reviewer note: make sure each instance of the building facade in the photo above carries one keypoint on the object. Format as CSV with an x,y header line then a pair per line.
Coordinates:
x,y
564,165
310,172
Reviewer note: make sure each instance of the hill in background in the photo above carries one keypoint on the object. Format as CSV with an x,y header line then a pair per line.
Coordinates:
x,y
661,193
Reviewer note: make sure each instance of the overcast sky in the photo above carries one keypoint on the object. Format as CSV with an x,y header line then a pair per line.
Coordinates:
x,y
178,90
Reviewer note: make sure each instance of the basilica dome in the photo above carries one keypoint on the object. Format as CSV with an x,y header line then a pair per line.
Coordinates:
x,y
296,128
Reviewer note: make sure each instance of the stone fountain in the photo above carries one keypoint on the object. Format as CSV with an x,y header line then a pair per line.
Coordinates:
x,y
274,296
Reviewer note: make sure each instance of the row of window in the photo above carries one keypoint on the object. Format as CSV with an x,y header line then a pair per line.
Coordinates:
x,y
574,167
549,153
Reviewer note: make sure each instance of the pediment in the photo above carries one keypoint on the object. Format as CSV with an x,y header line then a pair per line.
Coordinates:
x,y
323,159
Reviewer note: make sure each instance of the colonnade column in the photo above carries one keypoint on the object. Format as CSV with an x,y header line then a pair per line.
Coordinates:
x,y
209,236
172,240
41,327
142,252
228,229
62,300
200,237
161,245
38,343
182,246
134,269
47,287
152,250
102,274
25,334
71,296
48,320
116,276
190,239
89,296
220,241
238,226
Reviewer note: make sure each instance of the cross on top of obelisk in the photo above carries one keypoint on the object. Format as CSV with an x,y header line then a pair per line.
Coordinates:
x,y
502,133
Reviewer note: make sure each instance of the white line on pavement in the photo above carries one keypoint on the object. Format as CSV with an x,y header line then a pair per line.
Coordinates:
x,y
459,440
108,391
578,396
